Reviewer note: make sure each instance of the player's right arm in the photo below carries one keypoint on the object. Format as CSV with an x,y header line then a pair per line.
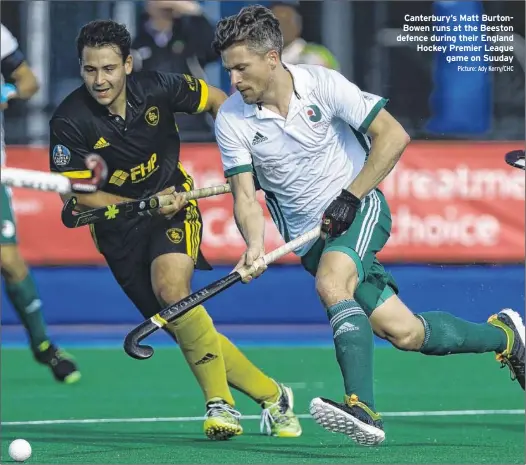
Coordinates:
x,y
67,153
248,214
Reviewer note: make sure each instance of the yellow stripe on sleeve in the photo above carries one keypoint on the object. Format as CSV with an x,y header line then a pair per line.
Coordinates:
x,y
204,96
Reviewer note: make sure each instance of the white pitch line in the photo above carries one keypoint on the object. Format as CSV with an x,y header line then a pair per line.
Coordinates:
x,y
438,413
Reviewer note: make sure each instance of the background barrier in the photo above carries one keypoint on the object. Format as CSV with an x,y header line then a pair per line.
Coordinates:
x,y
451,203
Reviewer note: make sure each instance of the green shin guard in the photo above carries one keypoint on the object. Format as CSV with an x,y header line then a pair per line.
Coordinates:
x,y
446,334
353,341
25,299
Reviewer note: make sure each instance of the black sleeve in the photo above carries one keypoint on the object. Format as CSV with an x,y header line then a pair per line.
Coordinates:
x,y
199,45
185,93
11,62
67,148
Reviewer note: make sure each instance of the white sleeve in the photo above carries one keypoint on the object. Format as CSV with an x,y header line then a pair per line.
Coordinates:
x,y
349,103
235,156
8,43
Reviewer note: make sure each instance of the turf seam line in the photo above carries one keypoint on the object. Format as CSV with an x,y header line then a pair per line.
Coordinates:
x,y
431,413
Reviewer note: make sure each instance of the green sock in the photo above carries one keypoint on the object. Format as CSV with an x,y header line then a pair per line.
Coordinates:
x,y
353,340
446,334
25,299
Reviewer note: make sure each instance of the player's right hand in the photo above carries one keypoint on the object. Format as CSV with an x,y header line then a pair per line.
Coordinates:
x,y
247,260
176,204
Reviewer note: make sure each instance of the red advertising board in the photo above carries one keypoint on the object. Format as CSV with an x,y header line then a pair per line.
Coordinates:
x,y
451,203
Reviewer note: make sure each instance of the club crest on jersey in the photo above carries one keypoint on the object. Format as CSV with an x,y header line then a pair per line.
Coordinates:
x,y
314,113
175,235
61,155
8,229
152,116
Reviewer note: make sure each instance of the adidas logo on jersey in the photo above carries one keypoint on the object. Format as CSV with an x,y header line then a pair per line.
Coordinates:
x,y
345,328
258,138
101,143
207,358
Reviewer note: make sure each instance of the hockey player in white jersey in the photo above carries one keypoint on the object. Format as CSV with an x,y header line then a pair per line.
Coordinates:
x,y
319,147
20,285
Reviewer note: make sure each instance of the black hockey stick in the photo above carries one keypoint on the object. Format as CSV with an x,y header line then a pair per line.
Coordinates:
x,y
132,344
131,208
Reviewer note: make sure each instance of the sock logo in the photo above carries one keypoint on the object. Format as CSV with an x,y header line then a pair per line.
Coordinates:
x,y
345,328
207,358
34,306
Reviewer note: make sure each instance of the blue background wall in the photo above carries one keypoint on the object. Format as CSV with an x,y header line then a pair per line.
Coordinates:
x,y
284,294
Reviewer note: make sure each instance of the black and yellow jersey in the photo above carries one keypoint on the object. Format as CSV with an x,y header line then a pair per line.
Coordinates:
x,y
142,152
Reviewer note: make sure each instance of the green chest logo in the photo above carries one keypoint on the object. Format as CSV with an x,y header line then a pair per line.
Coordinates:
x,y
314,113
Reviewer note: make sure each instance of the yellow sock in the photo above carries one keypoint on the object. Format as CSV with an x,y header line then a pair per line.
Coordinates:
x,y
243,375
201,347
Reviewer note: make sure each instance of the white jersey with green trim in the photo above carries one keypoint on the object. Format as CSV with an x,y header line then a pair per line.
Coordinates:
x,y
8,45
303,161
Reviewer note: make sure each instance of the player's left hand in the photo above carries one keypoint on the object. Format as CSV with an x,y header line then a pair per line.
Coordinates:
x,y
177,203
340,214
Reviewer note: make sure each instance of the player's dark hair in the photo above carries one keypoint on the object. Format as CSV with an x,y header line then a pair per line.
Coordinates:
x,y
255,26
102,33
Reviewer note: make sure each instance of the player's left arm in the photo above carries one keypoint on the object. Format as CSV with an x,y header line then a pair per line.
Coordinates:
x,y
388,142
215,99
365,113
191,95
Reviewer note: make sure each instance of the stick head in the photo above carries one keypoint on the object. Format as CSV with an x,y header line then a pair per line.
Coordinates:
x,y
516,159
137,351
99,173
132,344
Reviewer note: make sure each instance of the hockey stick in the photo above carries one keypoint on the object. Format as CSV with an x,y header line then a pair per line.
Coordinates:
x,y
132,344
515,158
55,182
131,208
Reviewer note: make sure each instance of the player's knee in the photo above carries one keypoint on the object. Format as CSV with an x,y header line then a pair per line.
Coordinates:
x,y
13,266
170,293
408,338
336,278
331,288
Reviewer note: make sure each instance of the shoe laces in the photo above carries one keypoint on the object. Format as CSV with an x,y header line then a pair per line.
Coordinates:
x,y
221,409
505,362
275,413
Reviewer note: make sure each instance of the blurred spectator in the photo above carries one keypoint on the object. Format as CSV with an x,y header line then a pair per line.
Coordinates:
x,y
296,50
175,36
